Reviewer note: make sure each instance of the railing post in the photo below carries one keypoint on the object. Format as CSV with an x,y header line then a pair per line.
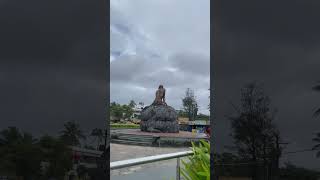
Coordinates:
x,y
178,169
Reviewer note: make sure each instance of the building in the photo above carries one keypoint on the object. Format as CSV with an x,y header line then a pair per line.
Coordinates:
x,y
199,125
137,111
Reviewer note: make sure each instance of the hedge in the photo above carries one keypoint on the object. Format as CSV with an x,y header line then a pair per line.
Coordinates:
x,y
125,126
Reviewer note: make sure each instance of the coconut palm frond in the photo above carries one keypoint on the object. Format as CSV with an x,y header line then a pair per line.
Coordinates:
x,y
318,154
317,112
317,146
316,88
316,139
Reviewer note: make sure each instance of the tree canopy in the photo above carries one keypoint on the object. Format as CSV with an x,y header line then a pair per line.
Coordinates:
x,y
190,105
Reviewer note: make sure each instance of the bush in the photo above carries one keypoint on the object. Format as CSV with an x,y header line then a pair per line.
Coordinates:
x,y
124,126
198,166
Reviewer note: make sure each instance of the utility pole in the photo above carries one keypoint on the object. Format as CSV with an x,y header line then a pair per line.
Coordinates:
x,y
278,155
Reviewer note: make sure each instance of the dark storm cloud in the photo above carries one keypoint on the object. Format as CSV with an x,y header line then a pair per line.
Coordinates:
x,y
53,61
285,21
276,43
39,29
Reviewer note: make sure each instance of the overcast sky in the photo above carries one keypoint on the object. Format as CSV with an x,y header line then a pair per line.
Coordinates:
x,y
160,42
276,43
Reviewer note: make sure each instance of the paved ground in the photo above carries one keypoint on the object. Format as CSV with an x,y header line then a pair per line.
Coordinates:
x,y
181,134
163,170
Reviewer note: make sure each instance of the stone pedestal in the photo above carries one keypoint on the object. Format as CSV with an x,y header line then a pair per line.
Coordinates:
x,y
159,118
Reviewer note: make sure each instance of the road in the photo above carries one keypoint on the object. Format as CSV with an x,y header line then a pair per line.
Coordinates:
x,y
162,170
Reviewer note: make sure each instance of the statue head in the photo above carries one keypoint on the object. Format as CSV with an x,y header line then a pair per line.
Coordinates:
x,y
160,87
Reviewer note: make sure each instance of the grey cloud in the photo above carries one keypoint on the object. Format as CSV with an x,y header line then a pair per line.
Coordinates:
x,y
153,43
194,63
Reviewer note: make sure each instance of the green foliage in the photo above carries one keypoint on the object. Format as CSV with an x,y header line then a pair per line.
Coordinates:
x,y
22,155
132,104
72,134
182,113
190,105
198,165
19,154
119,111
116,110
127,111
125,126
317,145
202,117
98,134
316,88
57,154
253,130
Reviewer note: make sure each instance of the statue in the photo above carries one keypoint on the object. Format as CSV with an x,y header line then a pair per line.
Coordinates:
x,y
159,117
160,96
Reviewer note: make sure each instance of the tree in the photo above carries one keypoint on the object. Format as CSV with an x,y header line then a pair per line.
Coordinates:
x,y
317,145
119,111
316,88
141,103
98,134
72,134
58,156
19,154
203,117
253,130
317,138
181,113
116,110
190,105
127,111
132,104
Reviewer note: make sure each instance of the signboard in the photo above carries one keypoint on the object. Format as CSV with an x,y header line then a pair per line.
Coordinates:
x,y
199,122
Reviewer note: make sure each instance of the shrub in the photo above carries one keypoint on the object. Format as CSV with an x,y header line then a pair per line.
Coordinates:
x,y
198,166
125,126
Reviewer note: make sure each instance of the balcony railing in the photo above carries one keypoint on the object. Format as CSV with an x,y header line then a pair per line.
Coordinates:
x,y
151,159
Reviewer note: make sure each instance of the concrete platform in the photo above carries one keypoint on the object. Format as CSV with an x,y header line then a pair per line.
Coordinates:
x,y
180,135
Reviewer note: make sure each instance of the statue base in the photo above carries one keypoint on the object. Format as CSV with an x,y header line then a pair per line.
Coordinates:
x,y
159,119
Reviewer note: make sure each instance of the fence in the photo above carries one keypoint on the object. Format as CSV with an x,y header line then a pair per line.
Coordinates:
x,y
151,159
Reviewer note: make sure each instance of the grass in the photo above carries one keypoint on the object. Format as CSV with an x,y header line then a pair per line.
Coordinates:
x,y
124,126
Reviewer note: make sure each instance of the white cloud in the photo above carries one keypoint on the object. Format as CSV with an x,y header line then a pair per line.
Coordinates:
x,y
160,42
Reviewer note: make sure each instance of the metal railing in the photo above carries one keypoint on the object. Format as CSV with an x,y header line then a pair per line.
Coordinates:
x,y
150,159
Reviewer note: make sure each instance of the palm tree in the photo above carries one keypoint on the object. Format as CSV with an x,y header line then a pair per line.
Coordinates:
x,y
72,134
10,136
316,88
317,146
98,134
19,153
57,154
316,113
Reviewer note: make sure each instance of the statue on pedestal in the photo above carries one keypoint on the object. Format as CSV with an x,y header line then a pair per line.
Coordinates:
x,y
159,117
